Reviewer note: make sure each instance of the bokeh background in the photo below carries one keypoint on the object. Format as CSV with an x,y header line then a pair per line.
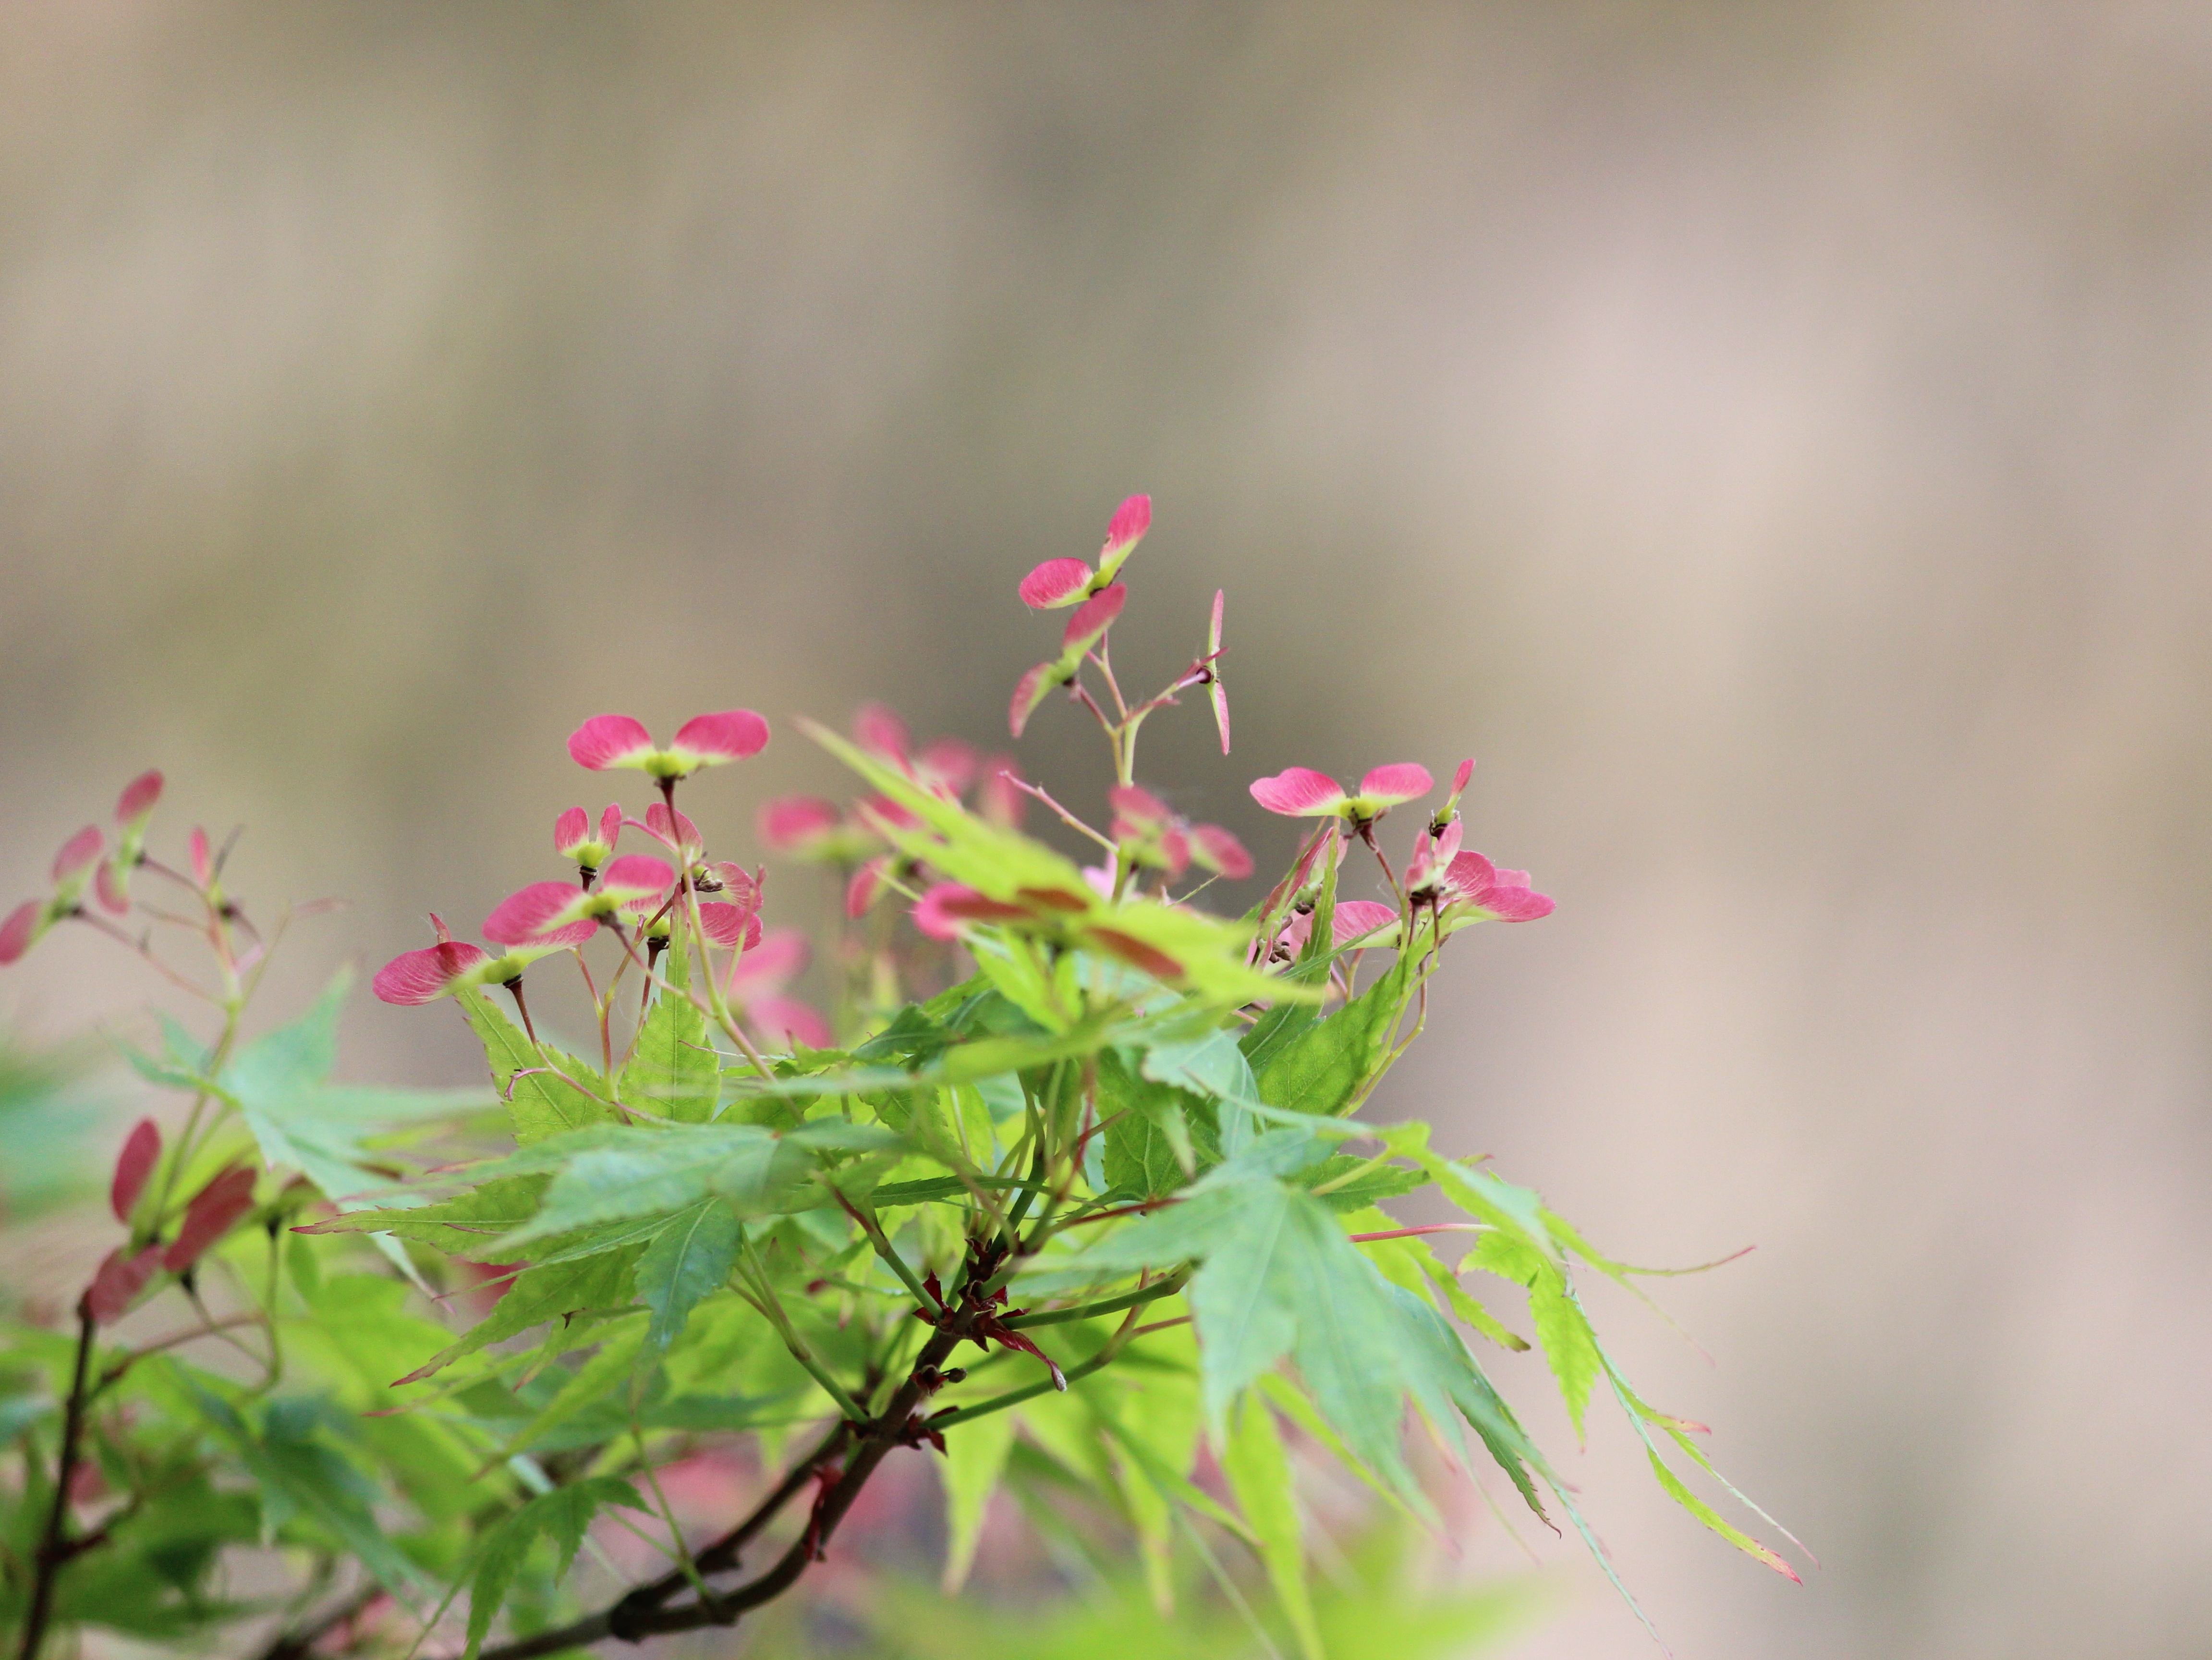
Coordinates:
x,y
1773,438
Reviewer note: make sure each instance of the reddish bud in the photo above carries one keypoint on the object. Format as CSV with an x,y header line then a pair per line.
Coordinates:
x,y
203,859
108,883
142,1150
117,1283
214,1208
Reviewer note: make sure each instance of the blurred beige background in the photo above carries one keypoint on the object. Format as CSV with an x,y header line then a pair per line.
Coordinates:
x,y
1772,438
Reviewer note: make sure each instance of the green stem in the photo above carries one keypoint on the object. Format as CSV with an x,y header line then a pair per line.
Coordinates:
x,y
1014,1397
885,1249
1167,1287
768,1302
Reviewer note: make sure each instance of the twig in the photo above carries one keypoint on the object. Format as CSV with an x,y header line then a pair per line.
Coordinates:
x,y
54,1547
297,1643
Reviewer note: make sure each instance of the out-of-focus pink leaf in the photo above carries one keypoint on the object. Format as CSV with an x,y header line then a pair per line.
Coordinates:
x,y
78,853
117,1283
1218,850
138,797
20,930
1031,689
946,908
879,731
142,1151
784,1020
214,1208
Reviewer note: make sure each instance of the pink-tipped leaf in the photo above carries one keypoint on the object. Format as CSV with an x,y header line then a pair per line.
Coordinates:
x,y
527,915
1131,520
711,741
1391,786
678,834
1031,689
571,830
423,977
202,857
1471,881
1216,693
610,740
142,1151
1299,793
636,876
735,927
109,883
1056,583
1092,618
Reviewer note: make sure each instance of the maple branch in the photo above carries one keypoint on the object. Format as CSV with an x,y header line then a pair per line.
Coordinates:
x,y
54,1545
644,1611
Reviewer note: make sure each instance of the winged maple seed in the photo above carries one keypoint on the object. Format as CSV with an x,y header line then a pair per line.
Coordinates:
x,y
1072,1110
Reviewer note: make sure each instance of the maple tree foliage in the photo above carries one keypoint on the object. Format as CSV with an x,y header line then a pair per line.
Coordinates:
x,y
1073,1162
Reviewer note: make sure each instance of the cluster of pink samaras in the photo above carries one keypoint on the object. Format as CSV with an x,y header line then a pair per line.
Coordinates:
x,y
1147,841
86,861
639,892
